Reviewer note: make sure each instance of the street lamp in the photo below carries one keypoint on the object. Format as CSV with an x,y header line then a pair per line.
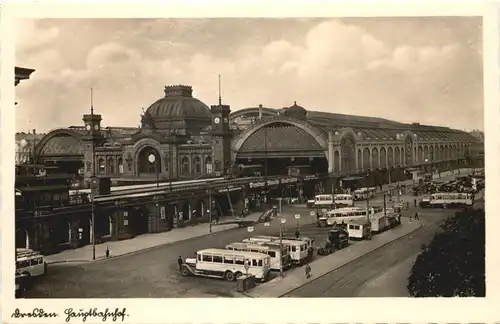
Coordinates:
x,y
152,159
93,225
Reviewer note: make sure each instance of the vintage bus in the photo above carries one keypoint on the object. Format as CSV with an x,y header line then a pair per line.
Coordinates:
x,y
364,193
336,217
359,229
299,249
328,201
227,264
448,199
270,249
30,263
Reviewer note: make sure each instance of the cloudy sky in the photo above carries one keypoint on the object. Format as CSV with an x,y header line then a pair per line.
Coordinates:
x,y
406,69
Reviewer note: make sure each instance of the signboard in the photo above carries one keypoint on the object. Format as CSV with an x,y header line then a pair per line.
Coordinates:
x,y
267,224
323,210
283,220
272,182
162,212
229,189
250,229
297,216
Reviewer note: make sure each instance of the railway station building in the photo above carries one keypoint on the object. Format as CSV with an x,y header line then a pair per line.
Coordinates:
x,y
182,138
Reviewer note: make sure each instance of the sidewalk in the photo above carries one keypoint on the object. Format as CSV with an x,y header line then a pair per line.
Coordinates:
x,y
296,278
140,243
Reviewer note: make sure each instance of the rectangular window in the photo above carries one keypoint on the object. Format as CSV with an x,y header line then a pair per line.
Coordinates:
x,y
217,258
207,258
239,260
228,259
294,249
254,262
199,257
272,254
260,263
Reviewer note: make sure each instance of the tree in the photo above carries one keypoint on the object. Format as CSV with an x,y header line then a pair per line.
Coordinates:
x,y
453,265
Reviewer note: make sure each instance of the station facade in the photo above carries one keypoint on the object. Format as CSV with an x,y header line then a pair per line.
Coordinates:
x,y
181,138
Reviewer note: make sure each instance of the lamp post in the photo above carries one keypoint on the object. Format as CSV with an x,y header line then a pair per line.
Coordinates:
x,y
152,159
209,210
282,223
93,225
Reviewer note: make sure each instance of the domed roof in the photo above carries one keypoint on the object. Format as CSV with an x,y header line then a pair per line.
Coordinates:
x,y
179,103
296,111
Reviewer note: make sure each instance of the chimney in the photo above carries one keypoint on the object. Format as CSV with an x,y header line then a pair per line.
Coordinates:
x,y
260,111
34,131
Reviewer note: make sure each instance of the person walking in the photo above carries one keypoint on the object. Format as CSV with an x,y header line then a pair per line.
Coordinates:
x,y
180,262
417,217
308,271
297,233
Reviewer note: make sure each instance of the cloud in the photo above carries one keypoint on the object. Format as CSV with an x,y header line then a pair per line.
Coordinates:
x,y
329,65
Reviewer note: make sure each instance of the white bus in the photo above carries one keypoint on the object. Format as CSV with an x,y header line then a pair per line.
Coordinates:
x,y
341,216
298,248
359,229
270,249
30,263
448,199
227,264
364,193
327,201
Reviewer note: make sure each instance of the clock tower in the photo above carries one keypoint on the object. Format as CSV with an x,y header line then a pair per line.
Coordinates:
x,y
92,138
221,137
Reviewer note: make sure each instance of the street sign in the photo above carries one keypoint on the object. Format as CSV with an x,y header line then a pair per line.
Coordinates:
x,y
267,224
297,216
283,220
162,212
250,229
312,213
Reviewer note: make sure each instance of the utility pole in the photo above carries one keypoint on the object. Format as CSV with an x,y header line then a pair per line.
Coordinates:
x,y
209,210
281,246
93,173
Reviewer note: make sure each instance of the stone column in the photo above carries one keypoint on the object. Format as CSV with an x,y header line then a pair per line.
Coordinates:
x,y
330,153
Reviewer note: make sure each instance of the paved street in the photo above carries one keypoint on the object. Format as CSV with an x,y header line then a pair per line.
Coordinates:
x,y
153,273
349,280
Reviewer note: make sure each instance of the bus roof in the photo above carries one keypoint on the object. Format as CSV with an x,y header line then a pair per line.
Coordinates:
x,y
224,251
263,245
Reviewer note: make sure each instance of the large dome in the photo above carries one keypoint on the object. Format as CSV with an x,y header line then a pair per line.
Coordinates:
x,y
179,103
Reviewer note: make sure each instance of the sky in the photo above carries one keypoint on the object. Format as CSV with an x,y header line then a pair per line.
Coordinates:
x,y
426,70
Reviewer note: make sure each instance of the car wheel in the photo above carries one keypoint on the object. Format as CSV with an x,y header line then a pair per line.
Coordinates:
x,y
229,276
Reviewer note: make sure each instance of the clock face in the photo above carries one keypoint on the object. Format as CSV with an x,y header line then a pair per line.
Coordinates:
x,y
96,127
216,120
88,127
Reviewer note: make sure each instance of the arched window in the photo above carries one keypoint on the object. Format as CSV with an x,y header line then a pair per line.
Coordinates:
x,y
101,166
197,164
111,166
144,161
120,165
208,164
185,165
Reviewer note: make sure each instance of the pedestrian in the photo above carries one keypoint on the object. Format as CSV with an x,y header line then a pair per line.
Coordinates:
x,y
417,217
415,202
297,233
308,271
180,262
107,251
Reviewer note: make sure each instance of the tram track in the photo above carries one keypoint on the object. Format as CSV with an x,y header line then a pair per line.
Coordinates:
x,y
346,280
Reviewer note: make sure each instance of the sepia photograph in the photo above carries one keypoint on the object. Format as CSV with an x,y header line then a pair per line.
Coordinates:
x,y
249,158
